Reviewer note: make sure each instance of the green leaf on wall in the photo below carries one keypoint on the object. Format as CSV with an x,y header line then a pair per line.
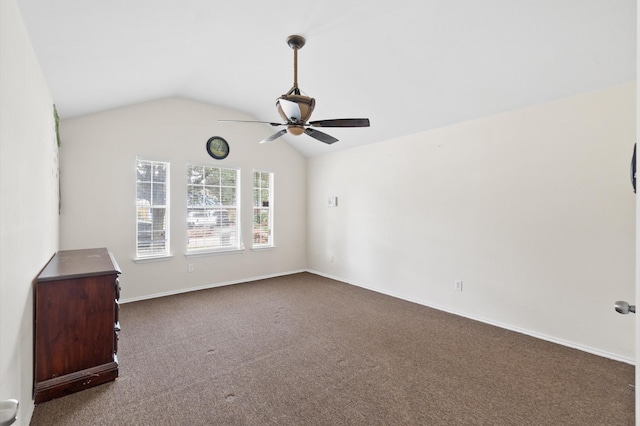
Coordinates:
x,y
57,120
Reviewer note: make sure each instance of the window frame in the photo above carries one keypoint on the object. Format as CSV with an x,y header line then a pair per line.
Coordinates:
x,y
151,206
209,218
256,206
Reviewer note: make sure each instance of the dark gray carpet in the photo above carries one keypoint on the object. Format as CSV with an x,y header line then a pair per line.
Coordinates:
x,y
306,350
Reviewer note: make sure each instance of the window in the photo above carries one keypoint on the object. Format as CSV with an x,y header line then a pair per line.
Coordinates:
x,y
152,209
262,209
213,203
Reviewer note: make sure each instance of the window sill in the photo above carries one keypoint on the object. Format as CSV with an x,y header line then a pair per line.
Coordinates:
x,y
263,248
200,253
152,258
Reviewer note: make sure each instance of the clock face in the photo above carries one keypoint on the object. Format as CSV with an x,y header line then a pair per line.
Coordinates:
x,y
217,147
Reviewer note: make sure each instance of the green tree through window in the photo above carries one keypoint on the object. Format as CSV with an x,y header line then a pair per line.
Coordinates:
x,y
212,208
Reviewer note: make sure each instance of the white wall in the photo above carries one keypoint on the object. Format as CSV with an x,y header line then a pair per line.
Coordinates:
x,y
98,178
532,209
29,201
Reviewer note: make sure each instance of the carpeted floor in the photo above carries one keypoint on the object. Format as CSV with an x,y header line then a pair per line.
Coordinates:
x,y
306,350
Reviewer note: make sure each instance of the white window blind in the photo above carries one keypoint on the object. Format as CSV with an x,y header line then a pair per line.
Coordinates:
x,y
262,209
213,204
152,208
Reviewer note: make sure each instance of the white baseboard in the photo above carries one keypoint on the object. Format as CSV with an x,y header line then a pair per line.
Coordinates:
x,y
206,286
29,414
490,322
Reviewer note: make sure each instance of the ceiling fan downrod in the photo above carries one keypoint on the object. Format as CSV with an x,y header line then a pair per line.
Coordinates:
x,y
295,42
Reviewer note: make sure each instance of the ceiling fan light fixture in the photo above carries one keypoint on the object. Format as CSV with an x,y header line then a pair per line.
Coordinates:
x,y
305,105
295,130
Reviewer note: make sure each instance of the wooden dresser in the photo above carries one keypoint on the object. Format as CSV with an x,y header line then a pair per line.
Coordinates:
x,y
76,323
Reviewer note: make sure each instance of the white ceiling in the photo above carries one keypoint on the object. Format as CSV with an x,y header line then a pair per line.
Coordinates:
x,y
407,65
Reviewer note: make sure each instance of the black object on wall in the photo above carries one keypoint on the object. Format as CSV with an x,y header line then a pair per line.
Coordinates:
x,y
633,168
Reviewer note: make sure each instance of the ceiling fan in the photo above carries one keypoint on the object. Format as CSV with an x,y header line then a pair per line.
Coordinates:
x,y
296,108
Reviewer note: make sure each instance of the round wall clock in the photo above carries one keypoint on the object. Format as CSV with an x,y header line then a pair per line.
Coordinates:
x,y
217,147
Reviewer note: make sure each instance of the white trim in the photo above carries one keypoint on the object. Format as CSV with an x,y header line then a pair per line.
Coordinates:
x,y
490,322
160,258
263,247
206,286
214,252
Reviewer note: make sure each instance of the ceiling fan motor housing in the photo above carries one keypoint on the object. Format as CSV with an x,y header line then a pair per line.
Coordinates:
x,y
305,105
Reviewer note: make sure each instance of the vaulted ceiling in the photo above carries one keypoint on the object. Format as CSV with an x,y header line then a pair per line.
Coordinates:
x,y
407,65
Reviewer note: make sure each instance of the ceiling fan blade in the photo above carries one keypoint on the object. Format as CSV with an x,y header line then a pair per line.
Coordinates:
x,y
251,121
341,122
274,136
290,109
322,137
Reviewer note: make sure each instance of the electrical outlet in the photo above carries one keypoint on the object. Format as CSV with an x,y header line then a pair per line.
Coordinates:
x,y
457,285
190,267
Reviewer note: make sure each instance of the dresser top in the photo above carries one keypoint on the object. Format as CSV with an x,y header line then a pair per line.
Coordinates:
x,y
79,263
